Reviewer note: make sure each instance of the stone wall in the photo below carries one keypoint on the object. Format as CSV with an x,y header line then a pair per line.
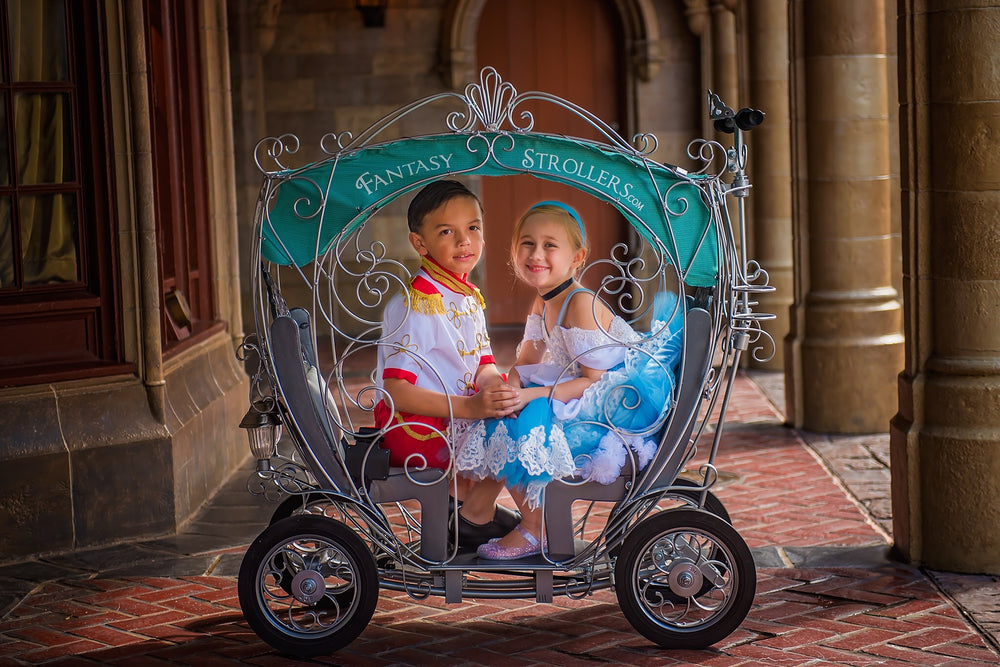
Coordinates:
x,y
86,463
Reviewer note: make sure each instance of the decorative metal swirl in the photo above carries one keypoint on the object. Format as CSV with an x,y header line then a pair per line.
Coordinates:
x,y
746,322
273,149
708,152
645,143
341,141
286,478
491,102
758,340
627,280
261,390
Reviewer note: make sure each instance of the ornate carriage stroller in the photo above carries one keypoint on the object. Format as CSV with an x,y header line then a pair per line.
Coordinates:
x,y
349,524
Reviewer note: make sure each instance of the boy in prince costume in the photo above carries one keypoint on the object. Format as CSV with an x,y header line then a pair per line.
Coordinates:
x,y
591,388
437,361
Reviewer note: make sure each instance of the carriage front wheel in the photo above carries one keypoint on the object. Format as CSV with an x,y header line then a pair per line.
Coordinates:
x,y
308,585
685,578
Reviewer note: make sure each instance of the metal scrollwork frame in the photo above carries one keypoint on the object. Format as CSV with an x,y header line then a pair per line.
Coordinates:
x,y
352,277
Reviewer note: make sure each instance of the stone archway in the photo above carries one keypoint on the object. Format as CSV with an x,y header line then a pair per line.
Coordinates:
x,y
460,20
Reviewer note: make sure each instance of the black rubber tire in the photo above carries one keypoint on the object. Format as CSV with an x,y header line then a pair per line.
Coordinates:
x,y
712,502
293,504
667,546
320,547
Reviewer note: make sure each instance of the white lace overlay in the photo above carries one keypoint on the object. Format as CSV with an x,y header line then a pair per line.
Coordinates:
x,y
540,456
551,456
588,342
481,456
468,438
533,327
563,345
533,494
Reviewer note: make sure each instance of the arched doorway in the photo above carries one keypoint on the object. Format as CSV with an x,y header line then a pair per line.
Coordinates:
x,y
573,49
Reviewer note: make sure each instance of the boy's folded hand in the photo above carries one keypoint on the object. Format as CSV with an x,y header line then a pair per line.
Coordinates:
x,y
499,400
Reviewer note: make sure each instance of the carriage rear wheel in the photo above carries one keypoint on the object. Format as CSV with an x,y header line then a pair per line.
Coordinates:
x,y
308,585
685,578
310,503
712,502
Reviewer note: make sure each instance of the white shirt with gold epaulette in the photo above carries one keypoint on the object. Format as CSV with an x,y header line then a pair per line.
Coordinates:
x,y
434,337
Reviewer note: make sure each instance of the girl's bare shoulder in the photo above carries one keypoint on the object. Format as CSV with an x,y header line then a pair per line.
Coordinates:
x,y
582,310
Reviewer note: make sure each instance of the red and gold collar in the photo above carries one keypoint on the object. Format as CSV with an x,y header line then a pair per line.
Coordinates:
x,y
452,281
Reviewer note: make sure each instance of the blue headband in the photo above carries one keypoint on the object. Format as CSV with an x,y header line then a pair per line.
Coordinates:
x,y
569,209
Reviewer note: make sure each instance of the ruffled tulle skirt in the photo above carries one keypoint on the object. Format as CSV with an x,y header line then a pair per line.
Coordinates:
x,y
619,417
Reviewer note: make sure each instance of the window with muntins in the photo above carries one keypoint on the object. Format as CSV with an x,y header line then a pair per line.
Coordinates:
x,y
59,313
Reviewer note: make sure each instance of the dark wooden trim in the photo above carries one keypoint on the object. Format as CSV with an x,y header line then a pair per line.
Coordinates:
x,y
202,331
178,145
95,117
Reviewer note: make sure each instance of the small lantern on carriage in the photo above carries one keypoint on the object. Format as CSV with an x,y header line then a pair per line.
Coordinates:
x,y
263,431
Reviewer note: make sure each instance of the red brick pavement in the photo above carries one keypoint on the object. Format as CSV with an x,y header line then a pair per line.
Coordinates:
x,y
879,613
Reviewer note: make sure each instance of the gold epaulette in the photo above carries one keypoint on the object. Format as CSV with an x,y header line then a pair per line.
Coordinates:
x,y
428,304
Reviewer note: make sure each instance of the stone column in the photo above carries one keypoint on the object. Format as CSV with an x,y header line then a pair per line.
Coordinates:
x,y
725,72
845,346
770,163
725,83
945,440
220,162
699,19
252,28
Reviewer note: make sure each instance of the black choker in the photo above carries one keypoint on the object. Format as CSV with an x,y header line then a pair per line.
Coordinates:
x,y
557,291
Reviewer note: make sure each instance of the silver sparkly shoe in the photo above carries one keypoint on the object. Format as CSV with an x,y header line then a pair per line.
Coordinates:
x,y
493,550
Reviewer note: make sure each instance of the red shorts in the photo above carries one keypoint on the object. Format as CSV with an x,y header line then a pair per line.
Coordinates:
x,y
409,439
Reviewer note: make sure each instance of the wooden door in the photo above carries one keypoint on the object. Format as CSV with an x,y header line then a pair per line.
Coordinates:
x,y
573,49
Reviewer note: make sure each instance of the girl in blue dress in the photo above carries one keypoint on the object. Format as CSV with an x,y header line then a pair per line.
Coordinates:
x,y
592,391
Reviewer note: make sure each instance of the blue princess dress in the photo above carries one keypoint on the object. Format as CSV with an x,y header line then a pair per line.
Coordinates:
x,y
585,437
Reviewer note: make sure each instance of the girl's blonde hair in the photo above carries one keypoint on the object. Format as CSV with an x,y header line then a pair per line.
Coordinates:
x,y
567,216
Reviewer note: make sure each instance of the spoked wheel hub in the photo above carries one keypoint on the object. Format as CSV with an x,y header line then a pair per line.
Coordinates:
x,y
308,586
685,579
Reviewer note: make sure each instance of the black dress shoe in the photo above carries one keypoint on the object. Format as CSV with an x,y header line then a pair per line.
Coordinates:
x,y
506,517
503,516
471,535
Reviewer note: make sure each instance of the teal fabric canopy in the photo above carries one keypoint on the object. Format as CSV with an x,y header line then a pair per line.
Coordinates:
x,y
311,206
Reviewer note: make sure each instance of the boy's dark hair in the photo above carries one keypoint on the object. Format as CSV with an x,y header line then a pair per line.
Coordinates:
x,y
431,197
